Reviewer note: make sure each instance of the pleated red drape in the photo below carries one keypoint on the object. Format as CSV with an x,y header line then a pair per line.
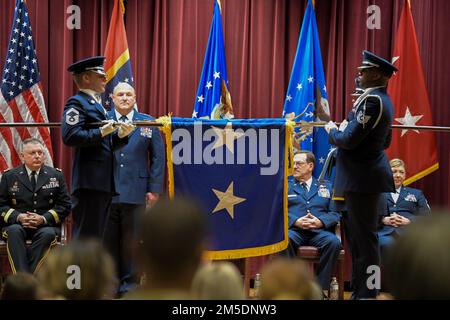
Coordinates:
x,y
167,40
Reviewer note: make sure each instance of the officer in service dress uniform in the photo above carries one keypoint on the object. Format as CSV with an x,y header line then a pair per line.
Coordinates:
x,y
311,221
140,165
404,206
362,168
94,180
33,203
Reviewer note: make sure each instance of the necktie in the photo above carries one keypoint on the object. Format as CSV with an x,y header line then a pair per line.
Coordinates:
x,y
395,196
123,118
33,180
304,186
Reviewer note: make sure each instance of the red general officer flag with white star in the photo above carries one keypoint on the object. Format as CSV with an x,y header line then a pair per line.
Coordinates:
x,y
412,106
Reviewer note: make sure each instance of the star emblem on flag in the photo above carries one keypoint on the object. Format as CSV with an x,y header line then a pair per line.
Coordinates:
x,y
227,200
408,120
226,137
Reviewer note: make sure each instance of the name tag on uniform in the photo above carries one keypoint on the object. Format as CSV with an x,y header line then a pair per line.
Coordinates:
x,y
410,197
146,132
323,192
291,195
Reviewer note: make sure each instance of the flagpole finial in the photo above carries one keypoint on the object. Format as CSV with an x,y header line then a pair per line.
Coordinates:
x,y
409,3
122,4
220,5
314,3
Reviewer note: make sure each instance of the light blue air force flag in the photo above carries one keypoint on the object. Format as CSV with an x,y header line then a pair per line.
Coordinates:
x,y
306,97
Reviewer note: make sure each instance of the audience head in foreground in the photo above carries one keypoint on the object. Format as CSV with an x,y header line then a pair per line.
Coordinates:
x,y
218,281
171,245
419,261
288,279
82,270
20,286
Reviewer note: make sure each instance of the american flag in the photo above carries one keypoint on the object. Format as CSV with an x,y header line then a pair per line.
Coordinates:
x,y
21,98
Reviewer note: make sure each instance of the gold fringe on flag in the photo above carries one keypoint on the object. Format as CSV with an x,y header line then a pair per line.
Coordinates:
x,y
166,121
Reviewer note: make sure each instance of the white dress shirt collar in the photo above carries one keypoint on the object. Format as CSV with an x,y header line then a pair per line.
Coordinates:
x,y
129,116
93,94
308,183
29,171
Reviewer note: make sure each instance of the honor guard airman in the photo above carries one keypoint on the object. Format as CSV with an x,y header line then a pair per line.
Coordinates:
x,y
94,179
362,168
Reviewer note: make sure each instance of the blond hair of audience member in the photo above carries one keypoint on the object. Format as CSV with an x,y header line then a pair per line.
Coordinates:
x,y
218,281
397,163
419,261
288,279
172,242
96,272
20,286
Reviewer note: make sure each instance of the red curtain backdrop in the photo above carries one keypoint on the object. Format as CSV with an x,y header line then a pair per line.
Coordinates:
x,y
167,40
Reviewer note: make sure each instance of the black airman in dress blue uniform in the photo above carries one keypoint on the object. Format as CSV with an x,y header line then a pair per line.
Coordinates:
x,y
363,172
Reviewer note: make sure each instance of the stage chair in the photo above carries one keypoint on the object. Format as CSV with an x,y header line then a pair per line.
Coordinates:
x,y
5,269
312,255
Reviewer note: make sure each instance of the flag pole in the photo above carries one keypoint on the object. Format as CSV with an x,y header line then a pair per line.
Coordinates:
x,y
150,123
305,124
143,123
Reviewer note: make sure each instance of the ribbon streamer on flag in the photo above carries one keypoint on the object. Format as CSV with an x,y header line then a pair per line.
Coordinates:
x,y
409,95
21,98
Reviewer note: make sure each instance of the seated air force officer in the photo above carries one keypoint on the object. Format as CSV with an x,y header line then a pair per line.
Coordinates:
x,y
311,222
405,206
140,167
33,203
94,180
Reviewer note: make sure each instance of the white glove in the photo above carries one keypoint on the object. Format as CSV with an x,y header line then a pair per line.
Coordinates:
x,y
125,129
343,125
108,128
330,125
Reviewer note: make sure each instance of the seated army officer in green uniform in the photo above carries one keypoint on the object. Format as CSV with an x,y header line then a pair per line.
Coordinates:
x,y
33,203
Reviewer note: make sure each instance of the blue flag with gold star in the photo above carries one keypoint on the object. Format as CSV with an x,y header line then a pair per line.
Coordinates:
x,y
306,97
238,171
213,100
